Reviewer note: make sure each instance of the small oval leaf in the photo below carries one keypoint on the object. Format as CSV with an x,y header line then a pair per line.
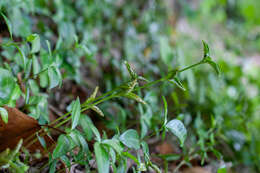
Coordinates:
x,y
62,147
130,138
54,77
178,129
115,144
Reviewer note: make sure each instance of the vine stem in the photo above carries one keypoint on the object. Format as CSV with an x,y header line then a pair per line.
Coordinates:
x,y
107,96
191,66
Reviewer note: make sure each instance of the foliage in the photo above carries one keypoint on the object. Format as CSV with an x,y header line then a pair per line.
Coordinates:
x,y
86,43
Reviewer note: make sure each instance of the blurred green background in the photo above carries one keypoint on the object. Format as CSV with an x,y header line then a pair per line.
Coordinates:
x,y
221,113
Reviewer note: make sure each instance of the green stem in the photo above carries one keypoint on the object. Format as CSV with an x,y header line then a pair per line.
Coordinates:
x,y
102,99
147,85
87,107
191,66
111,96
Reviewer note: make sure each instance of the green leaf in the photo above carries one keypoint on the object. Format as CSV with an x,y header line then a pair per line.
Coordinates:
x,y
178,129
145,149
102,158
213,65
216,153
172,73
135,97
21,54
85,123
7,85
54,77
36,65
89,127
62,147
4,115
165,117
86,50
27,94
96,132
131,71
208,59
97,110
75,113
112,154
44,79
127,154
34,86
82,141
57,71
49,47
205,49
36,43
28,68
114,143
177,82
14,96
41,140
66,160
9,25
165,110
53,166
130,138
79,140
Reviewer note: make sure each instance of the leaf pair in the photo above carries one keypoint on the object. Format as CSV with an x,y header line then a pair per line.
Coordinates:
x,y
207,59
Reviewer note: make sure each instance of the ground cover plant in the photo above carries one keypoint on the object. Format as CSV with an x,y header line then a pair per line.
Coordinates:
x,y
123,86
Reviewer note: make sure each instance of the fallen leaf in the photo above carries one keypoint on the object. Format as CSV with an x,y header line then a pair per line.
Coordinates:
x,y
164,148
21,126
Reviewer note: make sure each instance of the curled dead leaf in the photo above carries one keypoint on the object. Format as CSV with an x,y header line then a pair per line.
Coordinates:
x,y
21,126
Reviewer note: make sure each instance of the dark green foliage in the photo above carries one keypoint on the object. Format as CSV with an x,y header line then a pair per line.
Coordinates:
x,y
144,80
